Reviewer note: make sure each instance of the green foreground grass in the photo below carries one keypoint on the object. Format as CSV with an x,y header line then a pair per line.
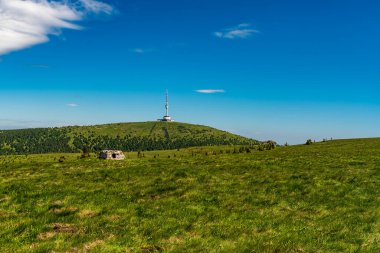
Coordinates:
x,y
318,198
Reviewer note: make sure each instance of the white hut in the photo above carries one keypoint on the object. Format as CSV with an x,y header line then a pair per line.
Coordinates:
x,y
111,155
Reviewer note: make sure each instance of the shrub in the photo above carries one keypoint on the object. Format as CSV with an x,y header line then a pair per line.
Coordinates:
x,y
268,145
85,152
309,142
62,159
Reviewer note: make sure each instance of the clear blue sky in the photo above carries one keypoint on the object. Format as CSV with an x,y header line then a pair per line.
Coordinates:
x,y
290,70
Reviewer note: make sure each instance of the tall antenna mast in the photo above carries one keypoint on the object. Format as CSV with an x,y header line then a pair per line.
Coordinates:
x,y
166,118
167,103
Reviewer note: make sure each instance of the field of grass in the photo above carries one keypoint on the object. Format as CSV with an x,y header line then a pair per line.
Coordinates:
x,y
323,197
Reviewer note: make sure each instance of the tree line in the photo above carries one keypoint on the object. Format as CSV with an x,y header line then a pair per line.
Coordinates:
x,y
61,140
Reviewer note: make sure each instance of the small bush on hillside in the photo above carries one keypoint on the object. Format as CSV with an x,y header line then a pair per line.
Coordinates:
x,y
268,145
85,152
62,159
309,142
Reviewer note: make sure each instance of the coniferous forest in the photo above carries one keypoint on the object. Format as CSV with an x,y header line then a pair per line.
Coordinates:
x,y
71,140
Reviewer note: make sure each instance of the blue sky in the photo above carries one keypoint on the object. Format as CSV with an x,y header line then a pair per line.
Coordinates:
x,y
290,70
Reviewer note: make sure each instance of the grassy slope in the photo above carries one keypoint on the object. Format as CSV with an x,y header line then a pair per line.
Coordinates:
x,y
126,136
318,198
153,129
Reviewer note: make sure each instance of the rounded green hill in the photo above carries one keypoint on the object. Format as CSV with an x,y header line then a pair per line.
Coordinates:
x,y
124,136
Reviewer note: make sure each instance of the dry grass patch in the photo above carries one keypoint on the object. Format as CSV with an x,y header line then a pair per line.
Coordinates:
x,y
47,235
5,214
174,240
64,210
113,217
152,248
91,245
87,213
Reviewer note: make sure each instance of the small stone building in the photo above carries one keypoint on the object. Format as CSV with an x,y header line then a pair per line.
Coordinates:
x,y
111,155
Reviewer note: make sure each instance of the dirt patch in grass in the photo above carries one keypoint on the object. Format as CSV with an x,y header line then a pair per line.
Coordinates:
x,y
152,248
64,228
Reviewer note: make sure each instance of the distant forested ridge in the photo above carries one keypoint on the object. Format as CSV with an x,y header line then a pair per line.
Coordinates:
x,y
122,136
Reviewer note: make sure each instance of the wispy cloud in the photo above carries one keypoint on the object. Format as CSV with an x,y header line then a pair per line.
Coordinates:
x,y
139,50
210,91
241,31
41,66
96,6
25,23
72,105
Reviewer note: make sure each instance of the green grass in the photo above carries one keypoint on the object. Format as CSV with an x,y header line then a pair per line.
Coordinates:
x,y
319,198
153,129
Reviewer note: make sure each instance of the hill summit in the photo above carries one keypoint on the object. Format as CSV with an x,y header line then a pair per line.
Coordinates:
x,y
124,136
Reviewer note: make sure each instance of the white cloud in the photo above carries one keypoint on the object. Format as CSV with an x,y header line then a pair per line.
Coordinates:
x,y
72,105
210,91
218,34
25,23
241,31
96,6
138,50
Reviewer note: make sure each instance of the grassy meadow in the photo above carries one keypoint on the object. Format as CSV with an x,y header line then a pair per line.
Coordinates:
x,y
323,197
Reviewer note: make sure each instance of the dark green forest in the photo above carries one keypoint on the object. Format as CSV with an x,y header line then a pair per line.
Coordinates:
x,y
65,140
